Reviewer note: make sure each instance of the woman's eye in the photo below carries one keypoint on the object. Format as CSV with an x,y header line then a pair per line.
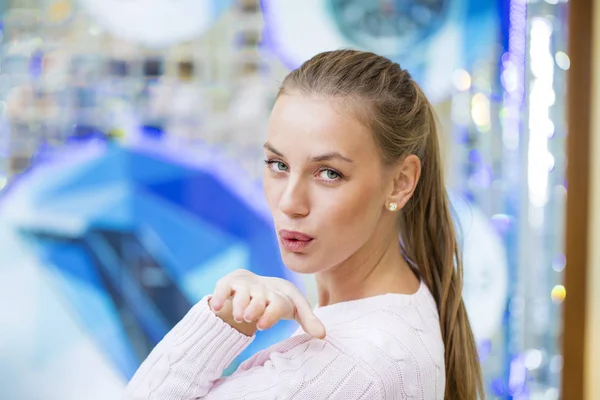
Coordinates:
x,y
329,175
281,166
277,166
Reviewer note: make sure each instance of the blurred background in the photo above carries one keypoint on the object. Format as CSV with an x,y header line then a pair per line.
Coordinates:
x,y
131,140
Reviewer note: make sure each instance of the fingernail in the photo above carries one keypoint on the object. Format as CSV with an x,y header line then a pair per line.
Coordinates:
x,y
238,320
213,304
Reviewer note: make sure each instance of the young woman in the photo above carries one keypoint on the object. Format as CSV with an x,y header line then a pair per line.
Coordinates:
x,y
354,182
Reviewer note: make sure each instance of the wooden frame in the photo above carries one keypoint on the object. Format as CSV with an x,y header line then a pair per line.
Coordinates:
x,y
579,145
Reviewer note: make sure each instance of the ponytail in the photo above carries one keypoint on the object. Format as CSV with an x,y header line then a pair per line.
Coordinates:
x,y
429,243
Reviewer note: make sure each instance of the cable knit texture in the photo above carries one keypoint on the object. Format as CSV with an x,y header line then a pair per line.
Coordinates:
x,y
382,347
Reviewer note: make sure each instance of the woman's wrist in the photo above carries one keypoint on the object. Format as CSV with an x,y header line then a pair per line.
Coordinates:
x,y
226,314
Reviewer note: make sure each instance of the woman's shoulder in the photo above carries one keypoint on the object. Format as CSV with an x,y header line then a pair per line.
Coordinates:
x,y
392,342
396,334
391,347
397,317
400,360
396,337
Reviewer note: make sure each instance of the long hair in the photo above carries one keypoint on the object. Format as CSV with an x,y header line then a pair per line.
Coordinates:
x,y
386,98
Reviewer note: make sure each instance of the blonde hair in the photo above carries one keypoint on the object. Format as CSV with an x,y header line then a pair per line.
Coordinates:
x,y
404,123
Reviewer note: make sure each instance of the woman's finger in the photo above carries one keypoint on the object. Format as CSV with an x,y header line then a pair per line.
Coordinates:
x,y
241,299
220,295
279,307
256,308
305,316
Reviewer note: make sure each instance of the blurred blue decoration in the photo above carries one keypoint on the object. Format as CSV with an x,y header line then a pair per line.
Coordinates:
x,y
448,34
559,262
134,236
155,132
36,63
389,24
475,156
502,223
484,348
498,388
517,379
84,132
3,8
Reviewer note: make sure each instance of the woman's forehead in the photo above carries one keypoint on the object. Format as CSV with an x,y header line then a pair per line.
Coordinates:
x,y
301,122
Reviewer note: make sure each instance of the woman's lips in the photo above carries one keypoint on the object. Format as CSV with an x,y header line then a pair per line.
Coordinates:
x,y
294,241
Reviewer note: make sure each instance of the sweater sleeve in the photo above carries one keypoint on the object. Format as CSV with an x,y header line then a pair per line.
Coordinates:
x,y
189,359
310,370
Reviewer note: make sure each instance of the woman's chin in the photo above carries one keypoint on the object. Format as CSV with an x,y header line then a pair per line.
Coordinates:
x,y
299,263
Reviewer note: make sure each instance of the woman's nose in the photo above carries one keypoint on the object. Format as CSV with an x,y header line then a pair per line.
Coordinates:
x,y
294,202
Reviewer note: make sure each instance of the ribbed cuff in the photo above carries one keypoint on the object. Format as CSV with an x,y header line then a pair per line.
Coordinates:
x,y
190,357
203,336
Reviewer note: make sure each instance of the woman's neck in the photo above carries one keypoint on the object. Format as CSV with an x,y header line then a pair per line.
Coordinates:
x,y
377,268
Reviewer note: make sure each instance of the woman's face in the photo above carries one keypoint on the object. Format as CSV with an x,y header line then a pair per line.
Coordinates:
x,y
323,182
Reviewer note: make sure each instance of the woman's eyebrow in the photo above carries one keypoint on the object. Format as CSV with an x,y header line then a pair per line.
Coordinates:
x,y
272,149
320,158
330,156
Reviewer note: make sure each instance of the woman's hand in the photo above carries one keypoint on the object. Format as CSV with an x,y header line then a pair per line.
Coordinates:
x,y
249,302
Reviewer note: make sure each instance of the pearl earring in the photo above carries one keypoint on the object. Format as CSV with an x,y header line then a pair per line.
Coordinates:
x,y
393,206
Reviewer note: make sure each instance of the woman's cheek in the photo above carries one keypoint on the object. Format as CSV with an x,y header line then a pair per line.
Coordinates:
x,y
272,190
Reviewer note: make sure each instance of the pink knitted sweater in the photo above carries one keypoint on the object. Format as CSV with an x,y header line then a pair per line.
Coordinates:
x,y
382,347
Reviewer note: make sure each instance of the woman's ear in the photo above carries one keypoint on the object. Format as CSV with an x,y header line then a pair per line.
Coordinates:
x,y
405,178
